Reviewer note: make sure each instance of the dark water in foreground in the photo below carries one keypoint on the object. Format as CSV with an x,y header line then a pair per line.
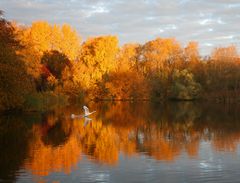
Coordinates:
x,y
124,142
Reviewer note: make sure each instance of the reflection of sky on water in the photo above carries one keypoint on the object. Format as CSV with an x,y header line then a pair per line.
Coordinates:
x,y
209,166
145,169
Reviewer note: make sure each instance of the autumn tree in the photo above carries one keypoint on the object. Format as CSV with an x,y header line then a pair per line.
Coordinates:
x,y
97,58
55,70
223,66
161,54
160,57
225,54
192,58
124,83
12,69
55,62
193,63
41,37
128,57
123,86
69,42
191,52
184,86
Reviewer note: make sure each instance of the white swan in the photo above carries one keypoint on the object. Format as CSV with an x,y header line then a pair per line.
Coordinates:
x,y
86,113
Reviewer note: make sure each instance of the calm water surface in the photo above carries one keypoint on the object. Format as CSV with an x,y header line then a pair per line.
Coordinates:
x,y
123,142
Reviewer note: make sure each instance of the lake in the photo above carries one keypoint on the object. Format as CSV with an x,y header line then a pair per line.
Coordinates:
x,y
123,142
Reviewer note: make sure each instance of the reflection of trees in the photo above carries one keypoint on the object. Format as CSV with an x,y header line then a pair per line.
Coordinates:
x,y
229,143
125,114
50,150
14,143
56,134
223,126
100,142
159,146
162,132
167,141
166,130
44,159
96,140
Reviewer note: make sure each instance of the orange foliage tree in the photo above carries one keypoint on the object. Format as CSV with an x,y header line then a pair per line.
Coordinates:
x,y
12,69
41,37
97,58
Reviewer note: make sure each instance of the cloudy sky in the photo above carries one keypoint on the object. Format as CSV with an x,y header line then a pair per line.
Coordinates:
x,y
212,23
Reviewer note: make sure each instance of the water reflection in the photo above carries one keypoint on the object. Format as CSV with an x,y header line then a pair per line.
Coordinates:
x,y
46,143
14,143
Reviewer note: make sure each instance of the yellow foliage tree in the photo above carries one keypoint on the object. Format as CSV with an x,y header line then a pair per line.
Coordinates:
x,y
160,54
42,37
191,52
98,57
128,57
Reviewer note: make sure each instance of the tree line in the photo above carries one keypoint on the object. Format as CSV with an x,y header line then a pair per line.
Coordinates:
x,y
43,60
